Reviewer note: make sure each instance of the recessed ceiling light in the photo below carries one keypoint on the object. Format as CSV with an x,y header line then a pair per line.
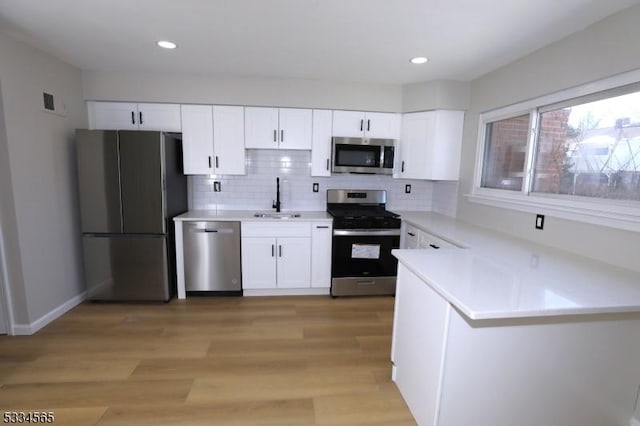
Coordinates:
x,y
167,44
419,60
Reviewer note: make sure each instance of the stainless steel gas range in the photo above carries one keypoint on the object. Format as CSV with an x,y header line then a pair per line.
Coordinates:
x,y
364,233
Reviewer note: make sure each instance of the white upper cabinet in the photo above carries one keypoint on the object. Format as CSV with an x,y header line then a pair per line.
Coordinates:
x,y
321,143
430,145
278,128
213,139
228,140
197,139
357,124
133,116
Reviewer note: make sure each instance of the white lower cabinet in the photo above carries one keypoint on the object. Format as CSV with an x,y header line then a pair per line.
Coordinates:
x,y
321,235
276,256
417,347
259,263
415,238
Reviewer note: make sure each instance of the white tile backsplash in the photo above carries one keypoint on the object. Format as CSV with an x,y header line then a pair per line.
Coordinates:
x,y
257,189
445,197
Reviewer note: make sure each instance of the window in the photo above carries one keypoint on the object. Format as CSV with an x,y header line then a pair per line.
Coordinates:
x,y
590,149
505,149
574,153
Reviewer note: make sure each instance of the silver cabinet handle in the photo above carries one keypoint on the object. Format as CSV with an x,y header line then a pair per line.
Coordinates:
x,y
209,161
281,135
273,250
275,135
322,226
280,251
217,165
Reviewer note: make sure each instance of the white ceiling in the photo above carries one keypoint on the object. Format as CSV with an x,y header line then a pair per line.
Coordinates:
x,y
337,40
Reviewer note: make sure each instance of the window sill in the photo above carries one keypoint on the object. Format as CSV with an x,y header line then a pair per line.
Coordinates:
x,y
619,216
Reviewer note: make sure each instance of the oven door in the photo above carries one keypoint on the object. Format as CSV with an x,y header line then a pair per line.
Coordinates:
x,y
362,263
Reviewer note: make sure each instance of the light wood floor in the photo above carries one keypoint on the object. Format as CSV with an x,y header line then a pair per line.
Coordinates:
x,y
210,361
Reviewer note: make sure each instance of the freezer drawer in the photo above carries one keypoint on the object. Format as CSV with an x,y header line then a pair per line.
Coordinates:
x,y
212,256
126,268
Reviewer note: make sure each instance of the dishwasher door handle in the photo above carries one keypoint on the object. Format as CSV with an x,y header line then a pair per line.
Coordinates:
x,y
212,231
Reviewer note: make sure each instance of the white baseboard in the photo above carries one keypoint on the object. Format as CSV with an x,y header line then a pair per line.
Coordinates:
x,y
29,329
287,292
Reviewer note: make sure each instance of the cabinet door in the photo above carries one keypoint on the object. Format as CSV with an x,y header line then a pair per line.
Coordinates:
x,y
113,115
419,325
348,123
417,129
261,127
446,145
228,138
430,145
197,139
258,263
295,128
321,143
321,234
294,262
382,125
164,117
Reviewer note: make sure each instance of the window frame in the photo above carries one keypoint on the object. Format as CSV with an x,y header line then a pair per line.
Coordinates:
x,y
621,214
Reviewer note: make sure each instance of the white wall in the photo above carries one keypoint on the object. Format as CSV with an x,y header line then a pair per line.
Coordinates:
x,y
208,89
436,94
40,226
606,48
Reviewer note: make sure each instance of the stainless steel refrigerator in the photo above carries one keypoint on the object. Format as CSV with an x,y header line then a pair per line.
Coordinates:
x,y
131,185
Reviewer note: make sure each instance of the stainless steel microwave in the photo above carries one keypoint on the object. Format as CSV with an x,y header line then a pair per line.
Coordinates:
x,y
362,155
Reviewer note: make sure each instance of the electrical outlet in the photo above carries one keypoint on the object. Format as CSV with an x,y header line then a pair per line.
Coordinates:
x,y
216,187
407,189
316,187
539,221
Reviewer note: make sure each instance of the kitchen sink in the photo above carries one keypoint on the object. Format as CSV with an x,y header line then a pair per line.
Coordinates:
x,y
277,215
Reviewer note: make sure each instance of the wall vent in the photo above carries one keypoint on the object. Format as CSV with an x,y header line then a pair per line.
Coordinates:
x,y
50,104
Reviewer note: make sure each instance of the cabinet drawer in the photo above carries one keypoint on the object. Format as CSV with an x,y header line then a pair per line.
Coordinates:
x,y
427,240
411,235
254,229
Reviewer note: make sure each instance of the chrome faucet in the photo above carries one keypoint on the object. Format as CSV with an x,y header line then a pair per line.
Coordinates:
x,y
276,204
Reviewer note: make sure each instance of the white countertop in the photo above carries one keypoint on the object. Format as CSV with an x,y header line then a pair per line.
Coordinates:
x,y
248,215
497,276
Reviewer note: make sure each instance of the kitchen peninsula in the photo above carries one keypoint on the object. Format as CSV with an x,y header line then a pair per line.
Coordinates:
x,y
505,332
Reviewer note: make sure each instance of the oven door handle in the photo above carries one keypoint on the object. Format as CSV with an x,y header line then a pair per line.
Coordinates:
x,y
366,232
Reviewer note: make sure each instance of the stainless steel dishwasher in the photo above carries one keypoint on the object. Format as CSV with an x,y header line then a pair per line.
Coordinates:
x,y
212,257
